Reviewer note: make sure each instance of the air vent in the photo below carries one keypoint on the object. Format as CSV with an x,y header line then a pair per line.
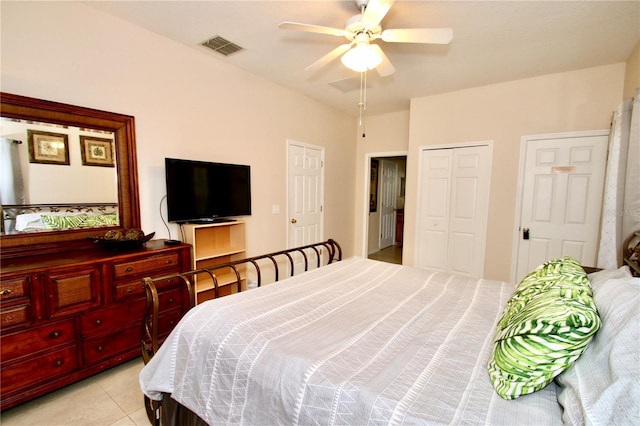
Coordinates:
x,y
222,45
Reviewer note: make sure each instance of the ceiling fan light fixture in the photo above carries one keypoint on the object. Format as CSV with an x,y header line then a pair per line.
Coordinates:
x,y
361,58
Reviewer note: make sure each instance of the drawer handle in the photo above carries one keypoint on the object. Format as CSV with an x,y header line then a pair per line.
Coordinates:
x,y
58,362
5,291
128,269
98,322
130,290
99,348
170,300
169,262
55,334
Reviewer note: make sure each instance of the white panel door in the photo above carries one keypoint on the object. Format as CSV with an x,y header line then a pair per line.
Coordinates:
x,y
453,209
561,200
435,195
469,209
388,194
305,194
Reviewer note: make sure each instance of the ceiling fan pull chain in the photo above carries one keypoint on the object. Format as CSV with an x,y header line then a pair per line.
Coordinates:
x,y
362,105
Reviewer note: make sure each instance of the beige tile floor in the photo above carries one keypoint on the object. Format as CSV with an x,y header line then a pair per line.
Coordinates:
x,y
111,398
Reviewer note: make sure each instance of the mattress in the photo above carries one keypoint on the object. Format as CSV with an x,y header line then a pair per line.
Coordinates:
x,y
355,342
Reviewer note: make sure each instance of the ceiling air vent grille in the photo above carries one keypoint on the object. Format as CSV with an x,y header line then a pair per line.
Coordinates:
x,y
222,45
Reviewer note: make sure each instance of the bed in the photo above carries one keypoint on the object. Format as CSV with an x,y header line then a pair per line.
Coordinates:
x,y
48,217
365,342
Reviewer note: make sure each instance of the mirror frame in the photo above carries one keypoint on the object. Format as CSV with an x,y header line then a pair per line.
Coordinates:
x,y
123,127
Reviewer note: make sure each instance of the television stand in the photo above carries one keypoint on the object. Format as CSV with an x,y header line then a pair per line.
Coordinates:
x,y
206,221
215,244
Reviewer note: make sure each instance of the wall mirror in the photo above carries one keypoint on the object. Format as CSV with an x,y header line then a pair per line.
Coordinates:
x,y
79,180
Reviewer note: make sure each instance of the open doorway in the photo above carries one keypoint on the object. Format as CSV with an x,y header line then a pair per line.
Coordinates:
x,y
385,219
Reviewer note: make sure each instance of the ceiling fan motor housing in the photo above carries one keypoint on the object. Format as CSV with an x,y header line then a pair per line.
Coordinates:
x,y
354,28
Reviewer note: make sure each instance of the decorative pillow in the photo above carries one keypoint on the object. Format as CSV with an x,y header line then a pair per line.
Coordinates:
x,y
603,386
71,221
546,325
63,222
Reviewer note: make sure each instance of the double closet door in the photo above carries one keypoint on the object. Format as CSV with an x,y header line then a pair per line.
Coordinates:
x,y
453,209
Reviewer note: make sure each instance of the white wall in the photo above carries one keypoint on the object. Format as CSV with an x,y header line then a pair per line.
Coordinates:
x,y
386,135
189,105
82,183
632,73
186,105
564,102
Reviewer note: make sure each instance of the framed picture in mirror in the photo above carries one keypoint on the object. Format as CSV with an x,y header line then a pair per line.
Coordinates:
x,y
48,147
96,151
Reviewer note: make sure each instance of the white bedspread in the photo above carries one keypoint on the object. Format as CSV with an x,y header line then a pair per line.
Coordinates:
x,y
353,343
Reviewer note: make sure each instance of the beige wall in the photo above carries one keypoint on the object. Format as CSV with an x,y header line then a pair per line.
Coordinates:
x,y
565,102
386,135
190,105
186,104
632,73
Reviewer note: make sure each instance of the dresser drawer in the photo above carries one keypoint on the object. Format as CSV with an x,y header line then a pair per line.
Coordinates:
x,y
165,262
101,348
15,315
36,339
113,318
73,290
171,299
136,287
13,289
38,370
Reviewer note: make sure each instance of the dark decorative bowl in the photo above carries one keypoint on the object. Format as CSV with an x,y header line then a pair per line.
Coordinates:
x,y
122,244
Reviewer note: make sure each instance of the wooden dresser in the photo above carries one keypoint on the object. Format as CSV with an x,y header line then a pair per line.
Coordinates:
x,y
66,316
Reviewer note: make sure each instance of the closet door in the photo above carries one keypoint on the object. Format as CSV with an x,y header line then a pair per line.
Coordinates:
x,y
453,209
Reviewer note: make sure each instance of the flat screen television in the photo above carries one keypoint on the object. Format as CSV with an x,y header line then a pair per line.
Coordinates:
x,y
200,191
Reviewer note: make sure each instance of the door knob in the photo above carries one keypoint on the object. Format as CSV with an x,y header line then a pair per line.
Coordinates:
x,y
294,221
525,234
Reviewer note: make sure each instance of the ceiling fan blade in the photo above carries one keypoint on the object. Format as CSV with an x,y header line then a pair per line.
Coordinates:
x,y
375,12
329,57
418,35
311,28
385,68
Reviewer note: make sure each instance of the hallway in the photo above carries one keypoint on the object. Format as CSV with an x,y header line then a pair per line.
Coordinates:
x,y
391,254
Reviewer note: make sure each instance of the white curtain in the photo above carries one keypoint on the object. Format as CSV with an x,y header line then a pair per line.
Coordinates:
x,y
11,186
621,205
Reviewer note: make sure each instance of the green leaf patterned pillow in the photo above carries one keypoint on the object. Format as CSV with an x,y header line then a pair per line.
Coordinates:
x,y
78,221
63,222
545,326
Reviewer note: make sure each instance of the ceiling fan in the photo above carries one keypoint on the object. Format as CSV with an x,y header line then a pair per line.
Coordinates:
x,y
359,53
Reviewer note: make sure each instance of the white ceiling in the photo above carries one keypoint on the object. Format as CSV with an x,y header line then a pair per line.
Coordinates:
x,y
493,41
